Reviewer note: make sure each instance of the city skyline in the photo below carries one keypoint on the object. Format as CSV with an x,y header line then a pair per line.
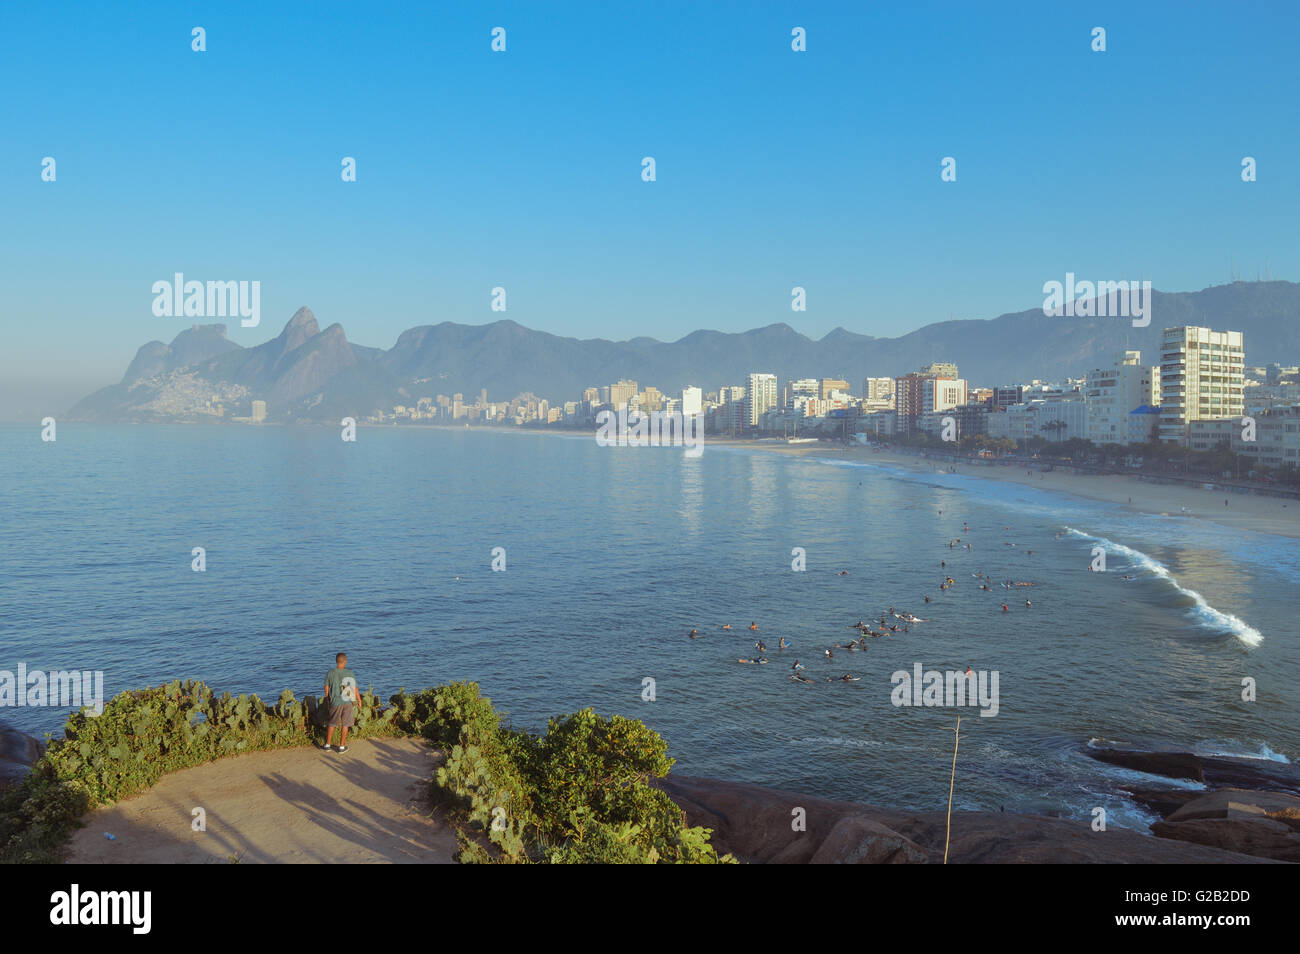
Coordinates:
x,y
761,185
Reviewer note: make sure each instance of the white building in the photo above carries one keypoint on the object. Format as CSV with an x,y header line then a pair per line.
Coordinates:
x,y
1201,378
1112,395
760,397
1058,420
692,401
942,394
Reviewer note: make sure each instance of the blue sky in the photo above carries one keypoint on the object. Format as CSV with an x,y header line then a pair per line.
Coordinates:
x,y
522,169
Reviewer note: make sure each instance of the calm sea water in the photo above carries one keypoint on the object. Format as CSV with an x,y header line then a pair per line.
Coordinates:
x,y
613,554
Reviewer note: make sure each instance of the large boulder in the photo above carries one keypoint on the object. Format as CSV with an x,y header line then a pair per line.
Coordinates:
x,y
1240,804
1263,837
1169,764
17,753
857,840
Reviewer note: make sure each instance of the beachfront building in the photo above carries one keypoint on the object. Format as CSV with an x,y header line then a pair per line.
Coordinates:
x,y
692,401
1054,420
1277,438
910,394
1113,393
1143,425
621,394
803,405
967,419
876,423
259,412
1202,374
729,415
760,397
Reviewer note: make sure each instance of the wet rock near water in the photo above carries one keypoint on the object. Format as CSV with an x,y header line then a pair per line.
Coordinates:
x,y
17,753
756,825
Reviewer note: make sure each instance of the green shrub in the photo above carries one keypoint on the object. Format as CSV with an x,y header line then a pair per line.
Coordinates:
x,y
580,793
140,736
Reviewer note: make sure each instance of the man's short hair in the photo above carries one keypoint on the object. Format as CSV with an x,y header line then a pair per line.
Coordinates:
x,y
341,657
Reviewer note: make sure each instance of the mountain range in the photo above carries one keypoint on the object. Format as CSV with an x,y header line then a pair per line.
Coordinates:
x,y
307,373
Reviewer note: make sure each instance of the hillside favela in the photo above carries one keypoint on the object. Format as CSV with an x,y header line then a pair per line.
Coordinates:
x,y
824,435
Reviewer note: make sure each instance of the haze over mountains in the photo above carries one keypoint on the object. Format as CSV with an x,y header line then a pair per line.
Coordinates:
x,y
306,373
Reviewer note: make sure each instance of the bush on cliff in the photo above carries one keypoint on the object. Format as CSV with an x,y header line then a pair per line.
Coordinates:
x,y
579,793
141,736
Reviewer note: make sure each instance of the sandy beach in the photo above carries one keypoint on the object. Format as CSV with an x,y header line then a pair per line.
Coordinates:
x,y
1262,514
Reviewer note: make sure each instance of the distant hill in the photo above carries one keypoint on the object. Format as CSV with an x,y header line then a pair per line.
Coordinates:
x,y
306,372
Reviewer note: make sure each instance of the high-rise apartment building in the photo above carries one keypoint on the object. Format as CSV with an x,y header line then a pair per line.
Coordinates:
x,y
877,389
620,394
1201,378
760,397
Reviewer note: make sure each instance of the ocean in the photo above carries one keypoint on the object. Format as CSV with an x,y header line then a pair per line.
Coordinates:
x,y
383,548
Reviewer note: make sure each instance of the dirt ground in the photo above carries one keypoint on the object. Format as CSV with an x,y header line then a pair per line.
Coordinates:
x,y
368,805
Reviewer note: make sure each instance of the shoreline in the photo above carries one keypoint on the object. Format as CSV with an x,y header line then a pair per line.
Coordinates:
x,y
1256,513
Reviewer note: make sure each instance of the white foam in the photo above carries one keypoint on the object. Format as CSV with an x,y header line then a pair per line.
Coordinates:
x,y
1206,615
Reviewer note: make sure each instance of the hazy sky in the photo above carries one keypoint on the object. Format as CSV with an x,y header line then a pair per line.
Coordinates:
x,y
522,169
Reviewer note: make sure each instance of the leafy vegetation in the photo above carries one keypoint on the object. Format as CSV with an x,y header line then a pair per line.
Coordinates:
x,y
579,793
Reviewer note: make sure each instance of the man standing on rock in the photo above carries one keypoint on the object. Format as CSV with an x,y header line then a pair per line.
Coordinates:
x,y
341,698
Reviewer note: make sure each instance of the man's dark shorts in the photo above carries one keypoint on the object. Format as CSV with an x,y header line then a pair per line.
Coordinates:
x,y
341,716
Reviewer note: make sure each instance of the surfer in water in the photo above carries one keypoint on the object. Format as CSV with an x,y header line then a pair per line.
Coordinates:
x,y
1006,608
694,634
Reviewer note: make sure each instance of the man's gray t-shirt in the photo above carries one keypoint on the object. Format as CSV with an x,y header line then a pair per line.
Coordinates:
x,y
342,685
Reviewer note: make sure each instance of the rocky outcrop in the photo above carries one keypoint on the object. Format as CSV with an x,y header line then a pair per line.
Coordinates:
x,y
1266,824
756,825
1261,836
1168,764
17,753
1216,771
